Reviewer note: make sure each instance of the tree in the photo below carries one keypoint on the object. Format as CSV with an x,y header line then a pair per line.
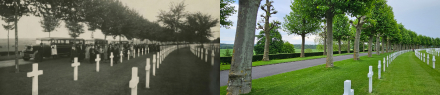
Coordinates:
x,y
275,45
240,74
269,10
328,9
8,27
49,23
298,24
341,28
361,21
75,28
226,10
200,25
288,48
172,19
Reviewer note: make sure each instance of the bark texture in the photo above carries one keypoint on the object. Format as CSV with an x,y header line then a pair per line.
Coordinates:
x,y
240,74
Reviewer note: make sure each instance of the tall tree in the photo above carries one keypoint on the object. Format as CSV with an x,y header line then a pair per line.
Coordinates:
x,y
298,24
226,10
275,45
75,28
8,26
328,9
240,74
49,23
172,19
200,25
361,21
341,27
268,11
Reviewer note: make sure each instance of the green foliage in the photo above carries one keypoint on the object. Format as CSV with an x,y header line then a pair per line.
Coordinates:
x,y
288,48
226,10
275,45
227,53
75,28
299,24
340,27
308,50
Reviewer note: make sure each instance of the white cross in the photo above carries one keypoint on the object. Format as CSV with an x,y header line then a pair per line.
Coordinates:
x,y
347,88
147,69
139,50
427,60
134,80
154,64
134,53
121,56
143,51
97,62
34,74
206,53
433,61
75,65
384,64
111,58
370,76
379,69
158,59
212,58
128,54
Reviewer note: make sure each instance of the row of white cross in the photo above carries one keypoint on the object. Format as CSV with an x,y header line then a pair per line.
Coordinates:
x,y
425,56
133,83
203,53
386,61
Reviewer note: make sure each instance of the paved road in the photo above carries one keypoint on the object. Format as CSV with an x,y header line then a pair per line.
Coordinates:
x,y
268,70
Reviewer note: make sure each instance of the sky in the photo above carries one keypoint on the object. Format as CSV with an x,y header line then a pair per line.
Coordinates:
x,y
420,16
29,27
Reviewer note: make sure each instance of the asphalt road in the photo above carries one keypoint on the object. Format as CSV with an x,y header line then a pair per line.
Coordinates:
x,y
181,73
268,70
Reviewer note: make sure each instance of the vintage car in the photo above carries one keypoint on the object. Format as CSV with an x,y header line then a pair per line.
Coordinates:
x,y
51,46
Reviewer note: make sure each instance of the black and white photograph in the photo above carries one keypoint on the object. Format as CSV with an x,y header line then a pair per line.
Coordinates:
x,y
110,47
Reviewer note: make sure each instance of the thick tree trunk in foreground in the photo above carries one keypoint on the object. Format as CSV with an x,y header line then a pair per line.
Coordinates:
x,y
370,41
303,36
339,44
377,44
240,74
329,17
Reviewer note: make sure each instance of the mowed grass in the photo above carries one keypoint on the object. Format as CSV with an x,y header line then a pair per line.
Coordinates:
x,y
277,61
437,58
406,75
223,51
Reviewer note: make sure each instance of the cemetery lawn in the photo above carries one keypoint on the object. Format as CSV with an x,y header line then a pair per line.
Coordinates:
x,y
277,61
437,58
406,75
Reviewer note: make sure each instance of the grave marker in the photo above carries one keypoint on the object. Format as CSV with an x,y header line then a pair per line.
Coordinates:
x,y
433,61
121,56
378,66
347,88
134,53
158,60
139,50
206,53
128,54
34,74
97,62
147,76
427,60
384,64
111,58
75,65
212,57
370,76
134,80
154,64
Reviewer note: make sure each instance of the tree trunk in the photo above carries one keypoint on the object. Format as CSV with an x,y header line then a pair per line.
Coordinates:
x,y
370,45
16,37
388,45
240,74
377,44
363,46
266,46
339,44
303,36
348,45
8,42
356,42
383,44
325,43
329,17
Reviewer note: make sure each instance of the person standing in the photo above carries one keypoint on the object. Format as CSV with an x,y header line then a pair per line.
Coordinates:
x,y
73,53
87,52
92,54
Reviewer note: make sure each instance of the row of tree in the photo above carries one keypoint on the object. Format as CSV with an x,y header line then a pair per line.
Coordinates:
x,y
112,18
374,21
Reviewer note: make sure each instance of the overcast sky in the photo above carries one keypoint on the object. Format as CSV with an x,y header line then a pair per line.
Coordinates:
x,y
421,16
29,27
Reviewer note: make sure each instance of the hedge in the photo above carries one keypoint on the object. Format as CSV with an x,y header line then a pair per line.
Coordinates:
x,y
227,60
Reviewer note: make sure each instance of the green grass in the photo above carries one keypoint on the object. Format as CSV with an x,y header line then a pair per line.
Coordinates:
x,y
406,75
222,52
276,61
437,58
